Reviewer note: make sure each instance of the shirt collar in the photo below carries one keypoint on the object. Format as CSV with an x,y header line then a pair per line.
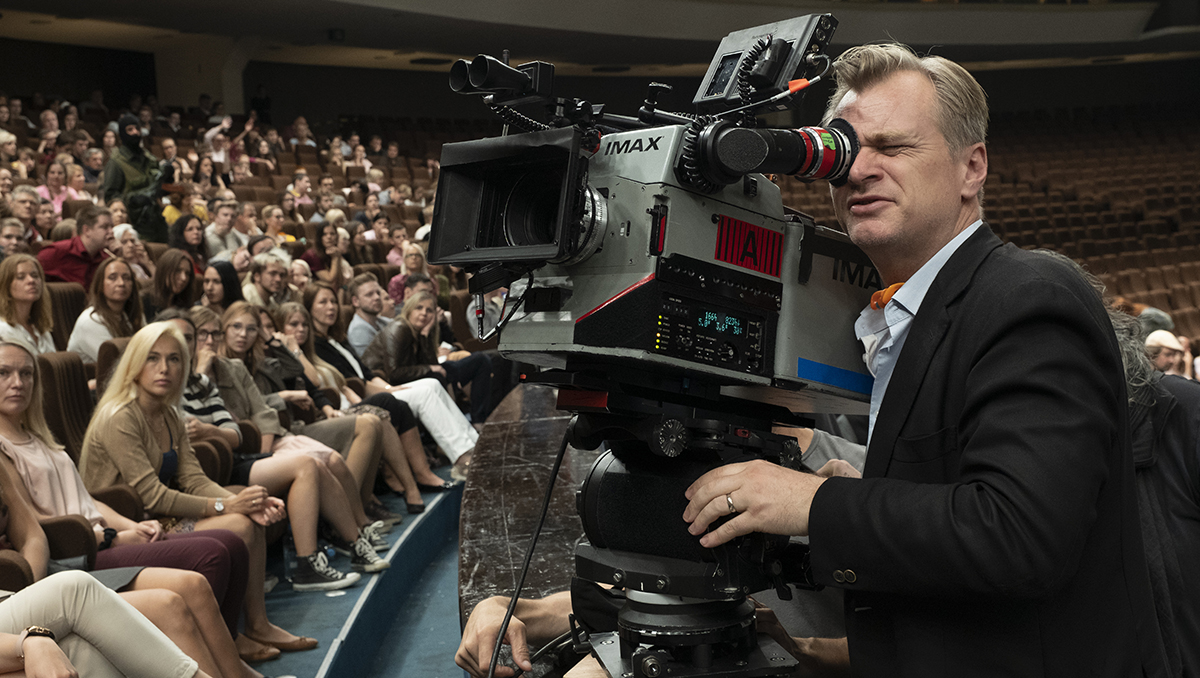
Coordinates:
x,y
915,288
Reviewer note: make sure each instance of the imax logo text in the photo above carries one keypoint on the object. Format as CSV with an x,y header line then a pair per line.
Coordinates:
x,y
632,145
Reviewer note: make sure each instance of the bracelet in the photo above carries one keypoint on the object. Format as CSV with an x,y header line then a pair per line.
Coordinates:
x,y
33,631
109,535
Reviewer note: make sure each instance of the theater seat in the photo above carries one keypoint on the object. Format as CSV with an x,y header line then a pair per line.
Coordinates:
x,y
67,301
107,358
66,399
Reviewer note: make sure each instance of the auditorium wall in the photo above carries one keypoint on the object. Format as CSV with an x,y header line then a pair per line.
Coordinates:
x,y
74,71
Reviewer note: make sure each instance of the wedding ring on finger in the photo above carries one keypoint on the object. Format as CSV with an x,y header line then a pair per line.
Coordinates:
x,y
729,502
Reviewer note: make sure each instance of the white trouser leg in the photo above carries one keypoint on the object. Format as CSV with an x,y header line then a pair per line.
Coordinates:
x,y
99,632
434,407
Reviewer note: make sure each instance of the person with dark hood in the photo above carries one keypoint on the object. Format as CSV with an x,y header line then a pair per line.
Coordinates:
x,y
133,175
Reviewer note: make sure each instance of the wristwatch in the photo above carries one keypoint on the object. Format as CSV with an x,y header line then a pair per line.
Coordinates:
x,y
33,631
219,506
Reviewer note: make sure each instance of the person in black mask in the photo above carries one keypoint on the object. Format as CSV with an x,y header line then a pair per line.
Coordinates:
x,y
134,176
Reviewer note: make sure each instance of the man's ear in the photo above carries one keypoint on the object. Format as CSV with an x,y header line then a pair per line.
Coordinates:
x,y
976,170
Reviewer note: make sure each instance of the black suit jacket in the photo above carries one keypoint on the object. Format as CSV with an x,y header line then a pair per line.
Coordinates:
x,y
995,531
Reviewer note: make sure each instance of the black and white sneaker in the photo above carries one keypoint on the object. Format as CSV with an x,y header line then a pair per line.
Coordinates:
x,y
314,573
374,534
365,559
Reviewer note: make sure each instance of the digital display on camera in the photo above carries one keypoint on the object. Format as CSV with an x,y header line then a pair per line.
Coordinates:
x,y
723,323
724,72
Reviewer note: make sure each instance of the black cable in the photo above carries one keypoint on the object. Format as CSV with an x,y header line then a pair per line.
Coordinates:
x,y
512,604
504,321
745,91
543,650
518,119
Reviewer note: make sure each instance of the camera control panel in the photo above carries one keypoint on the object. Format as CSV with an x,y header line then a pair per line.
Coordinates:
x,y
706,333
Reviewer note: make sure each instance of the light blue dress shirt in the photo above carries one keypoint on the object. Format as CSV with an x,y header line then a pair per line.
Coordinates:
x,y
883,332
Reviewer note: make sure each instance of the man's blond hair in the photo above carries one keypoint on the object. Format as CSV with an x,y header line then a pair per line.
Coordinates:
x,y
962,103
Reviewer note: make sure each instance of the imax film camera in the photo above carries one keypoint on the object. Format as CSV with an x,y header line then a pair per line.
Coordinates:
x,y
679,308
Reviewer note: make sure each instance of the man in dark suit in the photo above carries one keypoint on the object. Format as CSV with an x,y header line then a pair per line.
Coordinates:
x,y
995,531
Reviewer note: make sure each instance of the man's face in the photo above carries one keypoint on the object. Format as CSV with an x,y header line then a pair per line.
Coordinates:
x,y
224,219
14,105
353,140
49,121
23,206
11,238
326,203
173,119
302,185
95,161
79,147
327,184
132,131
418,288
393,151
145,115
6,181
369,298
219,141
1166,358
906,192
95,237
272,137
248,220
168,146
272,278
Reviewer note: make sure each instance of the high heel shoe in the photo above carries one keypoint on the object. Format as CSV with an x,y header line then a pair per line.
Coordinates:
x,y
444,487
415,508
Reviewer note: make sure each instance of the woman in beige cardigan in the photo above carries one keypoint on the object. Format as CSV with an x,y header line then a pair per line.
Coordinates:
x,y
136,437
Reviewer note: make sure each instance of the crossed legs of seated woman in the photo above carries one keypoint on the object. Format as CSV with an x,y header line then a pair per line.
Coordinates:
x,y
95,634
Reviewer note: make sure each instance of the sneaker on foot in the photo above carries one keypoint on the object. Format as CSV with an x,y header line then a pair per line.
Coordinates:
x,y
365,559
314,573
374,534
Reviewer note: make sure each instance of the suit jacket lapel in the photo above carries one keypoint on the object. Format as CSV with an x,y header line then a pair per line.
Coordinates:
x,y
924,336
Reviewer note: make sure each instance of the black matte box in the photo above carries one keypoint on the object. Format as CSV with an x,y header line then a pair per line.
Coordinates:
x,y
506,199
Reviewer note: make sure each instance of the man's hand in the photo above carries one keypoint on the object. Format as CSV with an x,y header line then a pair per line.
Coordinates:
x,y
838,468
479,639
766,498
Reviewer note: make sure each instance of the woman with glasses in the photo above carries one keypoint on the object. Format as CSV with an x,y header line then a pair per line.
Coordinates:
x,y
280,379
414,262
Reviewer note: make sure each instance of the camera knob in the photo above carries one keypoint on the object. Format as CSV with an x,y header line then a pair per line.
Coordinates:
x,y
651,667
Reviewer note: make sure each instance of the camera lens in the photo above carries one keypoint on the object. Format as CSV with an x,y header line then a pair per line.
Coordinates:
x,y
531,214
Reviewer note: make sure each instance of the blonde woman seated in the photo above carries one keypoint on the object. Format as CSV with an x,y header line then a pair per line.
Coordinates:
x,y
138,438
69,624
116,310
39,481
24,308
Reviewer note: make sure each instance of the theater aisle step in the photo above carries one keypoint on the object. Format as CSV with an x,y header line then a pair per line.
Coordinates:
x,y
424,633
